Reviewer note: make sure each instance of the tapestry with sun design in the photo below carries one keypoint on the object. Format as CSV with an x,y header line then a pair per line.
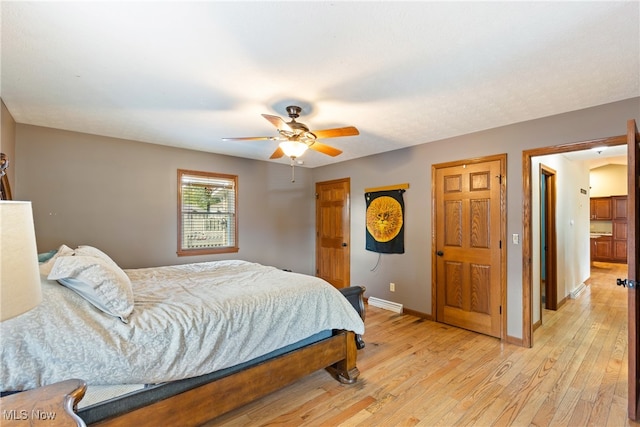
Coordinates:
x,y
385,222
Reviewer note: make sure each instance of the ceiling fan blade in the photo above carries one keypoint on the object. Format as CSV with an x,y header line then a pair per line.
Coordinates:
x,y
252,138
325,149
277,122
333,133
277,154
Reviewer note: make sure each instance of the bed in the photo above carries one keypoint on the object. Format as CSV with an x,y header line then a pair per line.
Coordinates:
x,y
194,340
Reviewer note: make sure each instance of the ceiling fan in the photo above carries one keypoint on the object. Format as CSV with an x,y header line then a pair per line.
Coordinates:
x,y
296,137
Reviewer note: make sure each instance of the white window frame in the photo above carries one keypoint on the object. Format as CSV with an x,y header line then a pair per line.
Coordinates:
x,y
201,230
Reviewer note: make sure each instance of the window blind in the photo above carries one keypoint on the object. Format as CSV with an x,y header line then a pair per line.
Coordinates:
x,y
207,211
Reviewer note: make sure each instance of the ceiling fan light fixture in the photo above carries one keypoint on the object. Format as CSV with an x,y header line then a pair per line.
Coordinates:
x,y
293,149
297,138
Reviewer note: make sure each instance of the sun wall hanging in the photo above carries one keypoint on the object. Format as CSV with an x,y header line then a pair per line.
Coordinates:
x,y
385,219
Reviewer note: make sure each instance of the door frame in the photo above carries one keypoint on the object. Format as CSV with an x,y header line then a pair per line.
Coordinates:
x,y
551,254
503,233
633,267
527,236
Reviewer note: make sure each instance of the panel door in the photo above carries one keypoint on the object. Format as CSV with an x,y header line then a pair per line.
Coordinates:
x,y
333,232
469,258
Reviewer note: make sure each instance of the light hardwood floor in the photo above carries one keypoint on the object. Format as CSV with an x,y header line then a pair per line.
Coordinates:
x,y
417,372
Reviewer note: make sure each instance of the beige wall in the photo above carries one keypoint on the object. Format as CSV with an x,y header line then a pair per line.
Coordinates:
x,y
609,180
8,141
121,196
411,271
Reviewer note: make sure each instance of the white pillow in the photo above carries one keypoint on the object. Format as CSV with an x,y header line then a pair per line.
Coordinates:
x,y
103,285
45,267
84,250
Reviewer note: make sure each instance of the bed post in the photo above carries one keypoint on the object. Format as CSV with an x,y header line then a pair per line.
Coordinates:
x,y
355,296
346,370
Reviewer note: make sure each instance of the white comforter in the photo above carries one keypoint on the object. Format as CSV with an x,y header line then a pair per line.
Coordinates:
x,y
188,320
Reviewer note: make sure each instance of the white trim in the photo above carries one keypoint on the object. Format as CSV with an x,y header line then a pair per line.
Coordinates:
x,y
577,291
387,305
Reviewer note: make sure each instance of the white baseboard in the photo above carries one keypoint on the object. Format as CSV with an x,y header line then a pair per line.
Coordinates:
x,y
387,305
576,292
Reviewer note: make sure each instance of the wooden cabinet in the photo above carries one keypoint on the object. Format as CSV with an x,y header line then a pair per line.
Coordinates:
x,y
601,208
610,248
619,249
619,208
601,249
619,229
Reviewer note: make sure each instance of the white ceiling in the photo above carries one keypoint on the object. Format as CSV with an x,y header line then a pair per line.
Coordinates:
x,y
187,74
600,156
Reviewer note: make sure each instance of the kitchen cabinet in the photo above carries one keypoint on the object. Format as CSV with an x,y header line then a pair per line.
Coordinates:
x,y
619,208
619,251
610,247
601,208
619,229
602,249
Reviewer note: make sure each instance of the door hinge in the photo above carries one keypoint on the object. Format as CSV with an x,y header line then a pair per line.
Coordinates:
x,y
500,244
317,196
500,309
499,178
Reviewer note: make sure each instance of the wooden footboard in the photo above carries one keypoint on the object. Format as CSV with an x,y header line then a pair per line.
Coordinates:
x,y
337,354
196,406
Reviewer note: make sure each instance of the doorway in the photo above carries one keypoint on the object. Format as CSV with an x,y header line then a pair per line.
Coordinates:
x,y
548,249
527,235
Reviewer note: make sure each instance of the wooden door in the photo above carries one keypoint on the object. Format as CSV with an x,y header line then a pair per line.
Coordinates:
x,y
469,252
333,232
549,247
633,261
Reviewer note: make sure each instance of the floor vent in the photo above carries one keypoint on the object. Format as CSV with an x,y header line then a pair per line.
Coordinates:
x,y
387,305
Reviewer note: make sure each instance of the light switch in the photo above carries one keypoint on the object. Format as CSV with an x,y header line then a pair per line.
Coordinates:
x,y
516,239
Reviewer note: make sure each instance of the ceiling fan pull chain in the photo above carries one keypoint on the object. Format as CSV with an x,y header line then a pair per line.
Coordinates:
x,y
293,171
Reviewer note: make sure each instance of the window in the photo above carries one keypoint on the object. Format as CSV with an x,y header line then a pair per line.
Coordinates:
x,y
207,220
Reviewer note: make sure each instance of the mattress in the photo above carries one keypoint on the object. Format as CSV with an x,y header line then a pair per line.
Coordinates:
x,y
187,321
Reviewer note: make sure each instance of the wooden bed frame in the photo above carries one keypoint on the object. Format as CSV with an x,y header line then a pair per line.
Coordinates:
x,y
203,403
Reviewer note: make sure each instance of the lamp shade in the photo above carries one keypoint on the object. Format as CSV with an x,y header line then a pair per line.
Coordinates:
x,y
293,149
19,273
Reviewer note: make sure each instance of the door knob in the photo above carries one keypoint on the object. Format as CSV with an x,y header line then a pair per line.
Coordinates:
x,y
626,283
344,245
440,253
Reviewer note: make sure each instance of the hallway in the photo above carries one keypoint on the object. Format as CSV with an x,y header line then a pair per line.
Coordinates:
x,y
597,321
